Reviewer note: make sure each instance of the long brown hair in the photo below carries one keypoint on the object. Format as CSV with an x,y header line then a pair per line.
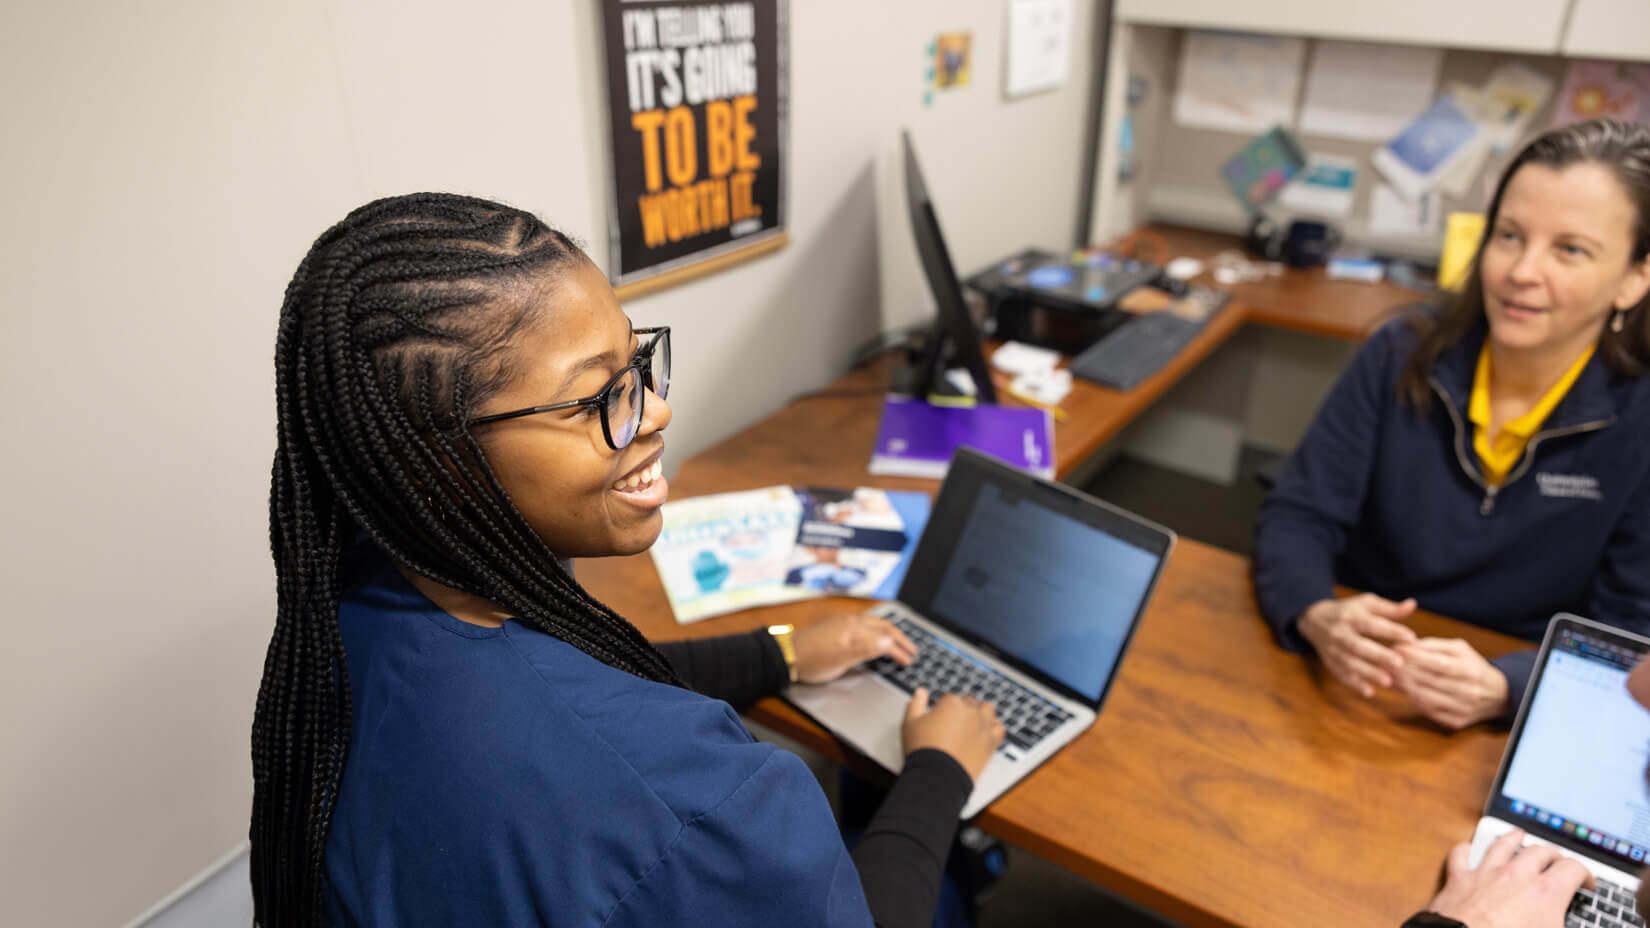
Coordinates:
x,y
1621,147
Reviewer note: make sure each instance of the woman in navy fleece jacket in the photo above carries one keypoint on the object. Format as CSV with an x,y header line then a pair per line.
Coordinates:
x,y
1396,488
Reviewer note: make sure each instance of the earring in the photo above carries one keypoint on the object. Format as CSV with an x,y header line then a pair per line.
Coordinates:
x,y
1616,323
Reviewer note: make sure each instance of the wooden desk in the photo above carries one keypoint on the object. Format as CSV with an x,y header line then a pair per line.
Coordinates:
x,y
1227,783
1305,301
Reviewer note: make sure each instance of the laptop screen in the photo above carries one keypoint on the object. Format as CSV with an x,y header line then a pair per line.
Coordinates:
x,y
1051,580
1575,772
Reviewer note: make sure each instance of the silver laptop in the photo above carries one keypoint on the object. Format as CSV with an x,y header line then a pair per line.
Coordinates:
x,y
1022,592
1573,775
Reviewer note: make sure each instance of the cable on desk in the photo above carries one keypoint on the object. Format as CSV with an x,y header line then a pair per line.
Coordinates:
x,y
873,348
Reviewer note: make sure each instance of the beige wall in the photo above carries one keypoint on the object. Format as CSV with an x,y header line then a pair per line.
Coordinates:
x,y
165,166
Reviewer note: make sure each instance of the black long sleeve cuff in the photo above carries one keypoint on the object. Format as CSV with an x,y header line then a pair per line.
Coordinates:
x,y
901,857
1431,920
738,669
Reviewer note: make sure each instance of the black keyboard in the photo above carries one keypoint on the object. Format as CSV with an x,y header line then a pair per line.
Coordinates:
x,y
1135,350
942,668
1608,906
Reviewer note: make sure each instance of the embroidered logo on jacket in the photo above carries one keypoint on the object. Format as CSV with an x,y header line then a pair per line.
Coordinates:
x,y
1569,486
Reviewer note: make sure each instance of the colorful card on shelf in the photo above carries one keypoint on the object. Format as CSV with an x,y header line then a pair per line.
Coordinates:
x,y
721,553
917,439
1261,168
1462,233
1324,188
850,541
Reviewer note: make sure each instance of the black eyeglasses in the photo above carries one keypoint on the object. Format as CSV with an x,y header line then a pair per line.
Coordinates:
x,y
620,401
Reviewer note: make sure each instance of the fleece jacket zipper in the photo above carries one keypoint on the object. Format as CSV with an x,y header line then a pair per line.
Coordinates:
x,y
1487,505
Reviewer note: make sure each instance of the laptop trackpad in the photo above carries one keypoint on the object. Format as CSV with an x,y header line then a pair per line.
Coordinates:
x,y
862,709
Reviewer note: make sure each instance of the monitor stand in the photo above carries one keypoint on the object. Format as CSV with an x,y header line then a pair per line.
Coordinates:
x,y
924,375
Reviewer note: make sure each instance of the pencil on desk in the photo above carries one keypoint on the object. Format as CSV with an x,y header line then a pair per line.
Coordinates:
x,y
1055,411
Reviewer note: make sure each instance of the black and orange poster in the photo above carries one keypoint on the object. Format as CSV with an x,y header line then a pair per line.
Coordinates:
x,y
697,100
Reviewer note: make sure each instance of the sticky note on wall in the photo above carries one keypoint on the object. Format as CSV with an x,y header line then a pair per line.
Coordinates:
x,y
1462,232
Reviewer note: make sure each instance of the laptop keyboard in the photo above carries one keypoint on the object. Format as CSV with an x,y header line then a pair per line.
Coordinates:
x,y
1027,717
1608,906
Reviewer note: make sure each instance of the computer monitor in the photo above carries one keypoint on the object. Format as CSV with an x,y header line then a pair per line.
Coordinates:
x,y
953,340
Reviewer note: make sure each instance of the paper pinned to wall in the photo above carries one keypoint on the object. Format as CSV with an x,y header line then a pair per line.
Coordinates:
x,y
1039,46
953,60
1239,83
1359,90
1602,90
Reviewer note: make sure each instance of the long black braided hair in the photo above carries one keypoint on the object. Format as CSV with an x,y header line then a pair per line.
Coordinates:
x,y
395,327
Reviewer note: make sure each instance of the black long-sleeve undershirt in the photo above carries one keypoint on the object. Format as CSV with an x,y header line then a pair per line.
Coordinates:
x,y
901,856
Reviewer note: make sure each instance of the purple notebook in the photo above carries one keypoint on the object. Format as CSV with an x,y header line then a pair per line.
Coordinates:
x,y
917,439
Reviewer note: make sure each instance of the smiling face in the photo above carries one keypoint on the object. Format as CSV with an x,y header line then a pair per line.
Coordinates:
x,y
582,497
1558,260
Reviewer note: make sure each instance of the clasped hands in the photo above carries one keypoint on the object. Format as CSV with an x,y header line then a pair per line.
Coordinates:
x,y
1364,643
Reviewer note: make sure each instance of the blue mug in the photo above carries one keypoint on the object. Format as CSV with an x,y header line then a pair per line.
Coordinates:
x,y
1309,243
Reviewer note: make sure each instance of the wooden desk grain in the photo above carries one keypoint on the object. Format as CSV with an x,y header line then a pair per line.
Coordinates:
x,y
1226,783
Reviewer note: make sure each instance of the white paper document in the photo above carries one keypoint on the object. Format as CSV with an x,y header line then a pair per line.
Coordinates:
x,y
1359,90
1391,214
1239,83
1039,45
1488,113
1521,92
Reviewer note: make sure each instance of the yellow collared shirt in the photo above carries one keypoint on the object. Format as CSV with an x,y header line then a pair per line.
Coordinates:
x,y
1497,455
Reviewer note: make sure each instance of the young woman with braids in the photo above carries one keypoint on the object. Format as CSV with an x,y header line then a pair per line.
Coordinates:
x,y
1491,463
450,730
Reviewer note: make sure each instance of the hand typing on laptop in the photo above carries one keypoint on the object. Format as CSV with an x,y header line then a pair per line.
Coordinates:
x,y
961,726
1566,828
1021,598
826,650
1516,885
964,727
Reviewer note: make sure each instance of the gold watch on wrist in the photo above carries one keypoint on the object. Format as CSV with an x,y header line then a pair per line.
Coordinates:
x,y
782,636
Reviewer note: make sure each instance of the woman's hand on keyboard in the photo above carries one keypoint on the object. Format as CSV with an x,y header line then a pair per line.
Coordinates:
x,y
961,726
825,650
1513,887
